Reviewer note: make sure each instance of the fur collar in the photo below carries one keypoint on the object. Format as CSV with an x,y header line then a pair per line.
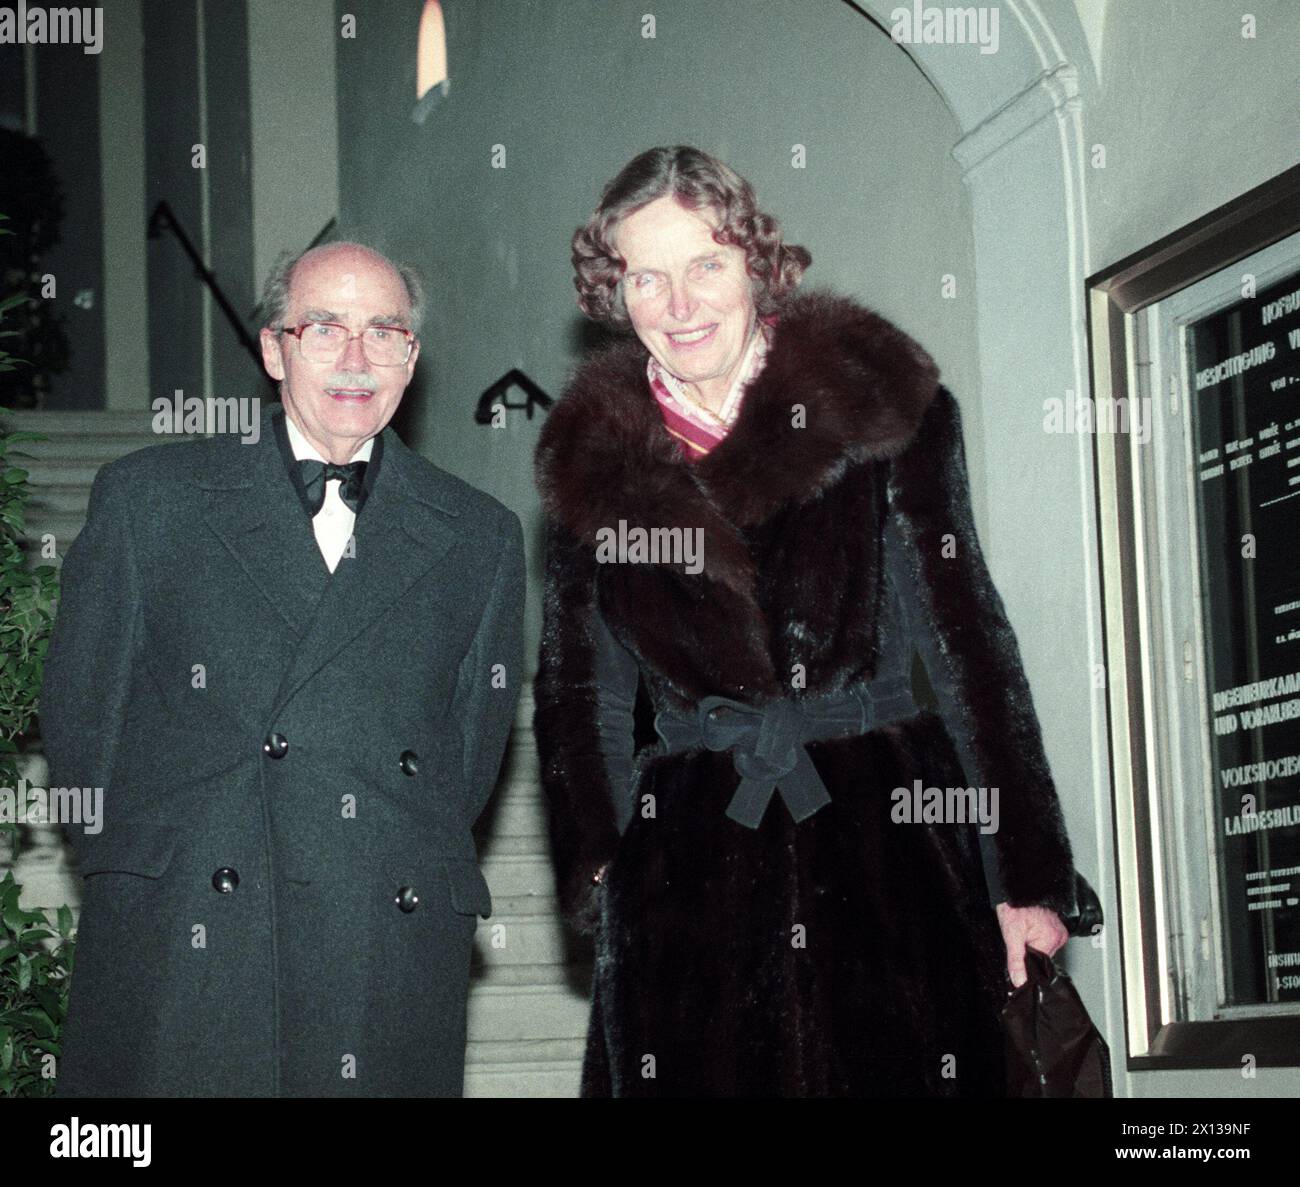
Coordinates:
x,y
864,385
604,454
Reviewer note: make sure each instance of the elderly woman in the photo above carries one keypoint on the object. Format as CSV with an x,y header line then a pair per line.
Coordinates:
x,y
757,506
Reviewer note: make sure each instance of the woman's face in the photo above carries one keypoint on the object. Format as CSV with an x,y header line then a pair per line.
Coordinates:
x,y
690,299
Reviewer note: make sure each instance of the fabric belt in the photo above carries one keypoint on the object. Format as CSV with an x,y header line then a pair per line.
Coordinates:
x,y
768,741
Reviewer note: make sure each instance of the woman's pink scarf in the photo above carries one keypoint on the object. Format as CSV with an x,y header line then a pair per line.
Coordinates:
x,y
696,428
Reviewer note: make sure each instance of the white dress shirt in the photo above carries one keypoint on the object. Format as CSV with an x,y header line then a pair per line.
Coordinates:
x,y
334,521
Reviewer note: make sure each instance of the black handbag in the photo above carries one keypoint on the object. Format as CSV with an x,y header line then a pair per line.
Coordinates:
x,y
1052,1047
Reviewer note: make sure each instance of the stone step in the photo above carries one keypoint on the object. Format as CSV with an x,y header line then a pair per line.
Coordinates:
x,y
45,888
508,1013
523,1080
56,562
499,975
69,458
62,468
138,422
494,1054
524,728
517,938
518,814
93,447
67,497
528,907
65,525
501,845
43,473
511,874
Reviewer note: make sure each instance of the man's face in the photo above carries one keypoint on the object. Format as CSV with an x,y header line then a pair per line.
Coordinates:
x,y
339,405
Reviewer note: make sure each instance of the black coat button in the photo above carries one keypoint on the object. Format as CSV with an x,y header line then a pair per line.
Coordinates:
x,y
275,746
225,880
407,899
409,761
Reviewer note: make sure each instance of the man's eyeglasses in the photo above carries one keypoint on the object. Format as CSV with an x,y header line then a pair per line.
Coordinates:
x,y
325,342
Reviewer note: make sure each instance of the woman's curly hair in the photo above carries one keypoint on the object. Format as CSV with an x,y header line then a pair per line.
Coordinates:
x,y
697,181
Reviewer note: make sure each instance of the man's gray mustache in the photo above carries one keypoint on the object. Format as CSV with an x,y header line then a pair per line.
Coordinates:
x,y
344,379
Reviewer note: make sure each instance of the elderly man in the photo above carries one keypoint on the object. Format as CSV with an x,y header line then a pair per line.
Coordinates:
x,y
292,666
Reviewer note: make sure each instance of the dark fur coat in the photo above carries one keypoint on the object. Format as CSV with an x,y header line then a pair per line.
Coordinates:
x,y
846,954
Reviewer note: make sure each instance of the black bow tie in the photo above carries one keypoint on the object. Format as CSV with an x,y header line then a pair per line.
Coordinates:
x,y
316,474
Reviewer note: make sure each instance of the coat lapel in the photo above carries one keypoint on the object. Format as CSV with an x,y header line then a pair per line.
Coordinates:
x,y
405,526
403,530
255,511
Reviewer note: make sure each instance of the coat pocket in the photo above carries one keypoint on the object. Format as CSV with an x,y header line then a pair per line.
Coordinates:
x,y
145,849
469,889
460,880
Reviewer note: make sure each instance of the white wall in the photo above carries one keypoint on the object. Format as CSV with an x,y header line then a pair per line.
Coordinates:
x,y
1190,114
294,116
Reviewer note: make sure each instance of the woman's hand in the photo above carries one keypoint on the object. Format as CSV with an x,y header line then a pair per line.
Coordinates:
x,y
1022,926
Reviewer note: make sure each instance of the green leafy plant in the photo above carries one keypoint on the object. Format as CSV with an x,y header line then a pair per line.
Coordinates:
x,y
27,597
34,979
35,953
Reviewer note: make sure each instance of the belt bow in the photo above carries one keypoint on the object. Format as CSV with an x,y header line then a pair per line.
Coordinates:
x,y
768,741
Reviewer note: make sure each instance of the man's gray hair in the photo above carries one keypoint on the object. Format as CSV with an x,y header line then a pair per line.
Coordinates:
x,y
274,306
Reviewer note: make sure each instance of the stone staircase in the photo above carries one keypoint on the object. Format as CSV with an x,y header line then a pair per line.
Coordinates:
x,y
528,1003
62,468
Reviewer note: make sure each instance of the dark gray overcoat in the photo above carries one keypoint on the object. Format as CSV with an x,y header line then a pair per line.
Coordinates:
x,y
283,895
